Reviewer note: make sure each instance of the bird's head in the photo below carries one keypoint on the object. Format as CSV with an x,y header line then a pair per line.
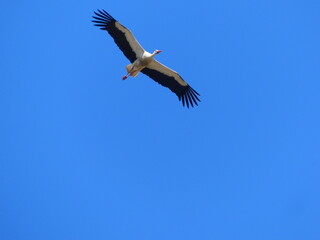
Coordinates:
x,y
157,52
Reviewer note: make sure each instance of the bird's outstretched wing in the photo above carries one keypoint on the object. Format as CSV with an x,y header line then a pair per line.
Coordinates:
x,y
121,35
172,80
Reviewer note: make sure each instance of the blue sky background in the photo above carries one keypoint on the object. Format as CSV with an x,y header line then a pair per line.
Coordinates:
x,y
85,155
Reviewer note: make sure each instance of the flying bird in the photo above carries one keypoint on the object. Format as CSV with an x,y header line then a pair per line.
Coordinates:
x,y
143,61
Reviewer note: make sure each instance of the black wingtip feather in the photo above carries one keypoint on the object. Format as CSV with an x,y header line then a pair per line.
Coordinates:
x,y
103,18
194,97
189,97
187,101
194,100
194,93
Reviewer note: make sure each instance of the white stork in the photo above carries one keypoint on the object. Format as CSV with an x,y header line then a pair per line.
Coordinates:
x,y
143,61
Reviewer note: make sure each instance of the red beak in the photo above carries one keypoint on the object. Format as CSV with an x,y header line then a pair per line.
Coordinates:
x,y
159,51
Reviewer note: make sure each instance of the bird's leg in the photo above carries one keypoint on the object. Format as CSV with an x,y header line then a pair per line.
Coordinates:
x,y
126,76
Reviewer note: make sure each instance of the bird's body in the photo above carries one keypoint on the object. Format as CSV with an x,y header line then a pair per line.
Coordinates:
x,y
140,63
143,61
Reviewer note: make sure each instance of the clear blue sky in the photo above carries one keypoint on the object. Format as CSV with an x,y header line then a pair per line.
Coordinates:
x,y
85,155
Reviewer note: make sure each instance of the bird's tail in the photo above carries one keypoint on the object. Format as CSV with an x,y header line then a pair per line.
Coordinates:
x,y
130,69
